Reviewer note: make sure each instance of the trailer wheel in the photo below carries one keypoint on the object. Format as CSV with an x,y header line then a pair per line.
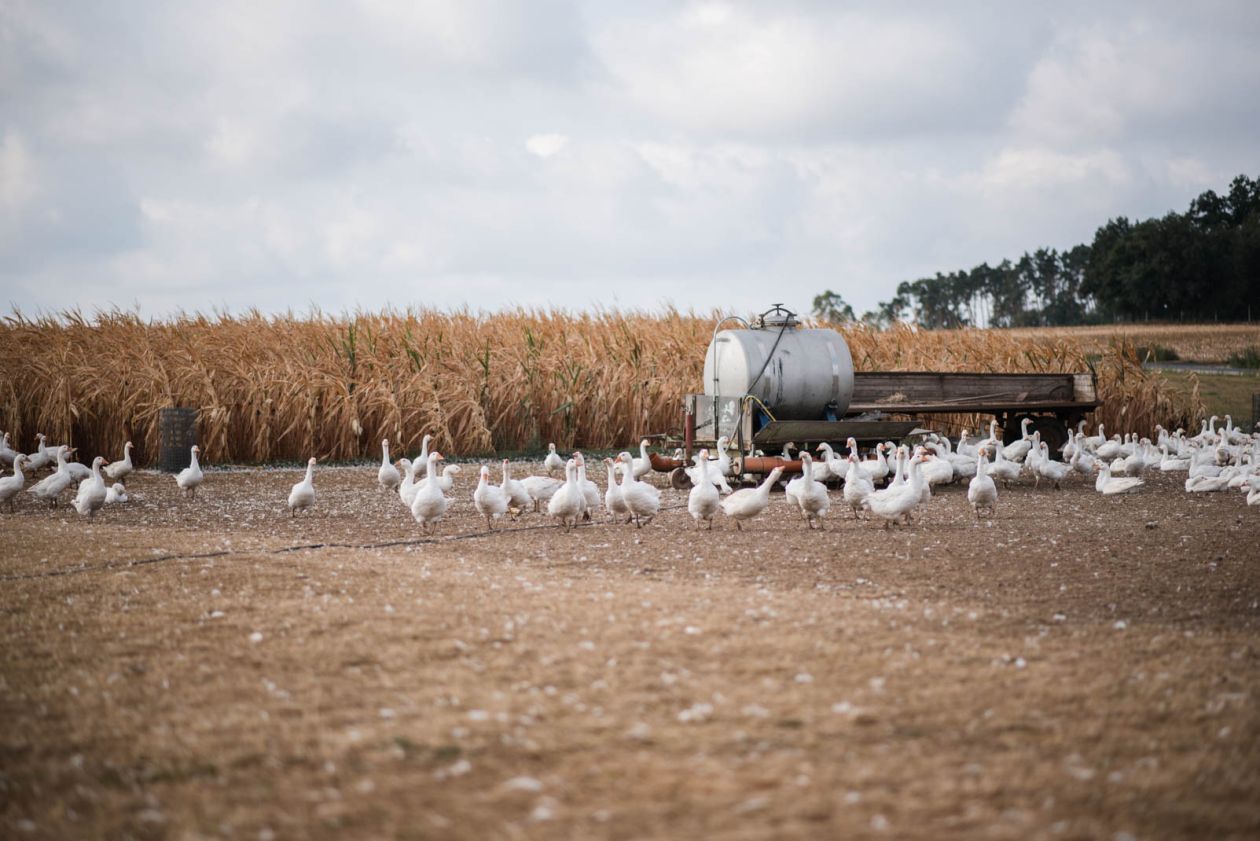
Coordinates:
x,y
1053,433
679,480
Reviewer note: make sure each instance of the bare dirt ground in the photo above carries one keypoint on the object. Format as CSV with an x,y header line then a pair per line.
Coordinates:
x,y
1085,667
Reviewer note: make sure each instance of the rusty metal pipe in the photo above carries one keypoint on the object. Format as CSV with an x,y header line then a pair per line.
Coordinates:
x,y
664,464
762,465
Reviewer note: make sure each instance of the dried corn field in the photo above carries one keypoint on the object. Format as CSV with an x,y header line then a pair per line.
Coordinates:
x,y
273,388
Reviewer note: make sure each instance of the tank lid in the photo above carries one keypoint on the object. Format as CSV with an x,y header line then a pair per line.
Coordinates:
x,y
776,318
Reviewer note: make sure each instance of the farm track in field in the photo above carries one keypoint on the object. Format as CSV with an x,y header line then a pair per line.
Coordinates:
x,y
1081,667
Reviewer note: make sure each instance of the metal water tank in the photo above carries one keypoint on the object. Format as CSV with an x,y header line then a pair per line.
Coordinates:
x,y
797,372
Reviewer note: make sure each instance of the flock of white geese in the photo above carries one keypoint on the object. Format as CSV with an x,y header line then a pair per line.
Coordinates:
x,y
890,483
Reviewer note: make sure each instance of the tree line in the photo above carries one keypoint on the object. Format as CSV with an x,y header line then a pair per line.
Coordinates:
x,y
1201,265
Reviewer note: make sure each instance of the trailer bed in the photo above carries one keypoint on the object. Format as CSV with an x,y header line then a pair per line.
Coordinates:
x,y
927,392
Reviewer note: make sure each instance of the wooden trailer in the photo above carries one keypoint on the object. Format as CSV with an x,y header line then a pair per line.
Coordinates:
x,y
889,405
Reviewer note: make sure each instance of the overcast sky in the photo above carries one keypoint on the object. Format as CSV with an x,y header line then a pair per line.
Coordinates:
x,y
363,154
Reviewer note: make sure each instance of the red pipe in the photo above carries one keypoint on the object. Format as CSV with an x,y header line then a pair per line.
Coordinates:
x,y
664,464
689,428
764,464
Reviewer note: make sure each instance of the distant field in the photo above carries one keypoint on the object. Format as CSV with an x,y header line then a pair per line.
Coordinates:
x,y
1222,394
1191,342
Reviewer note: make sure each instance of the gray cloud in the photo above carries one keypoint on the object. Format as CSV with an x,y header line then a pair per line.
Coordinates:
x,y
708,154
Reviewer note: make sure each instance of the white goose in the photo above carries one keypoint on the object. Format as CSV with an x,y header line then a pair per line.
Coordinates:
x,y
91,495
540,488
1047,468
1018,450
1083,460
566,503
553,463
518,498
1070,445
78,472
965,446
51,487
614,502
429,503
61,477
388,476
1093,442
1003,470
920,478
747,503
937,470
964,464
42,457
1108,485
1170,464
116,493
302,497
897,501
1110,450
836,466
992,444
643,500
191,477
491,501
643,464
119,470
982,491
713,472
1207,484
723,460
1202,464
421,463
407,487
792,492
899,474
876,469
10,485
590,491
810,495
857,486
704,500
8,455
446,479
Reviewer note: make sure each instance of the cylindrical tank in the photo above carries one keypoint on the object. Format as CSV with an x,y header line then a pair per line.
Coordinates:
x,y
809,369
